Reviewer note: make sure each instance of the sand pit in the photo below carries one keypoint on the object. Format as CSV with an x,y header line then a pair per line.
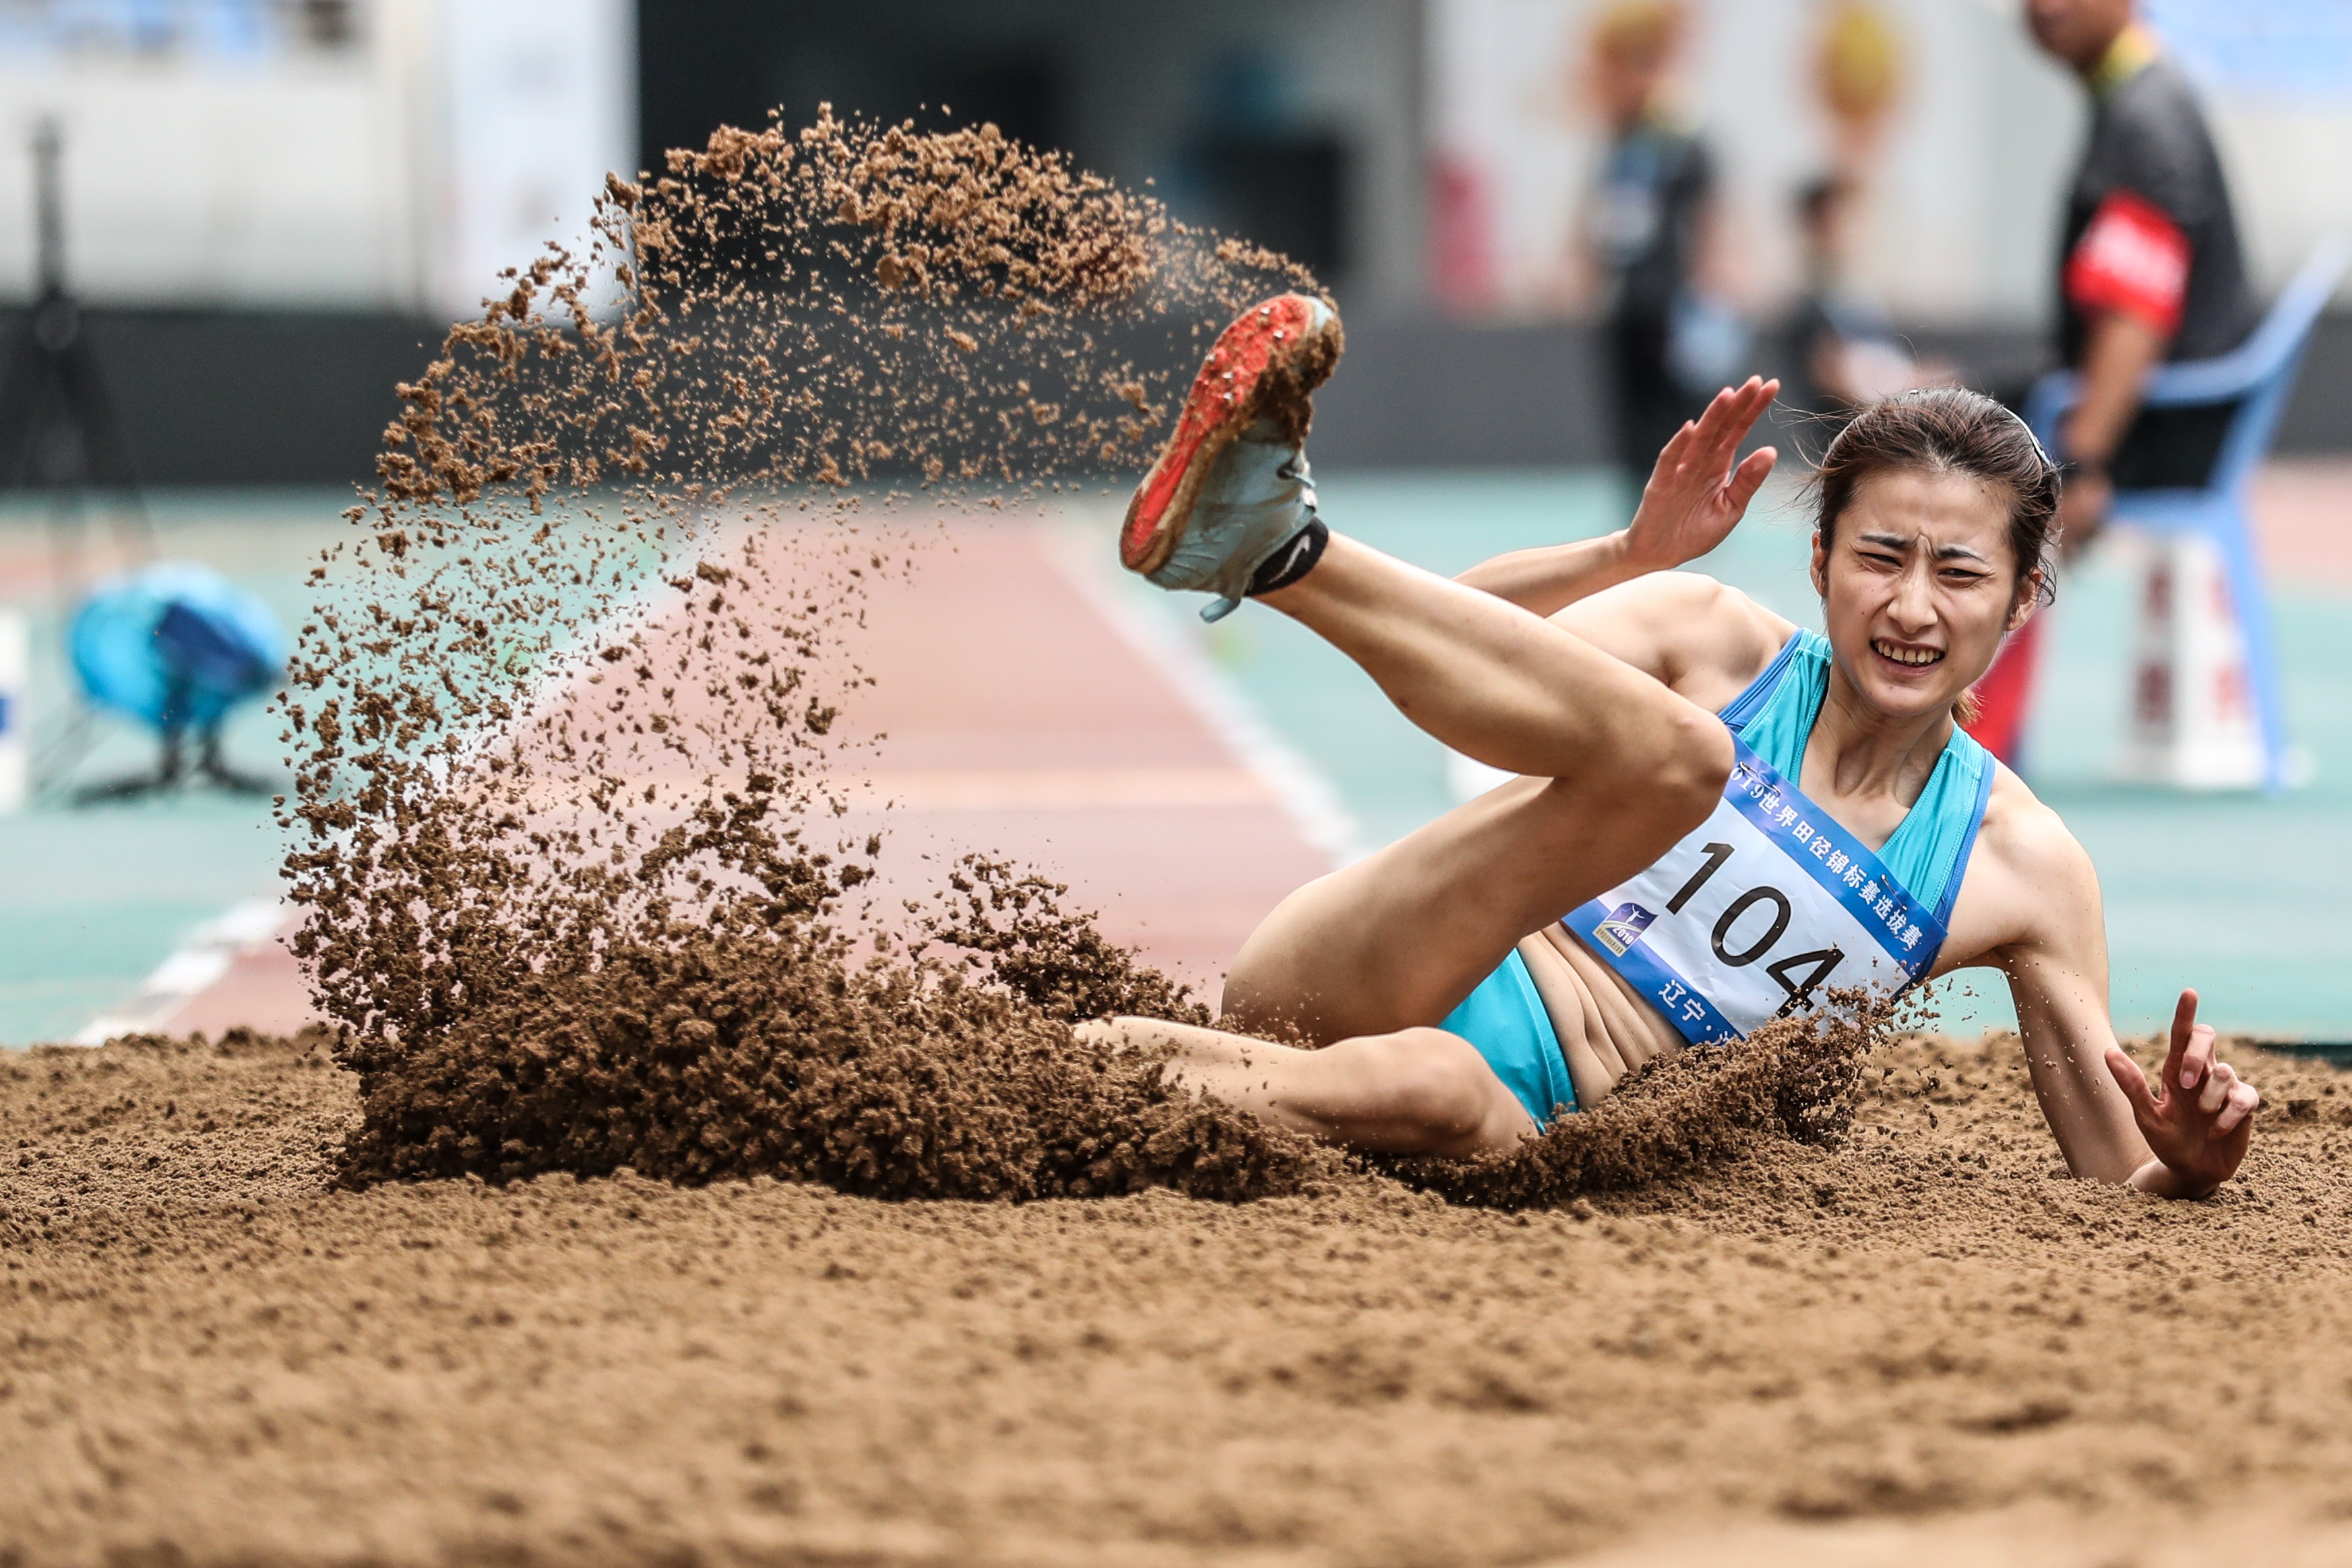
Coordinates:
x,y
1926,1347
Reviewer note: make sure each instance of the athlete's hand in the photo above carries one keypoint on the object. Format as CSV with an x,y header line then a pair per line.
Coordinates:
x,y
2199,1129
1695,496
2083,508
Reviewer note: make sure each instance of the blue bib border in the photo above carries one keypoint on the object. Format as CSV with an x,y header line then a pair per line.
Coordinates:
x,y
1774,716
1694,1017
1814,840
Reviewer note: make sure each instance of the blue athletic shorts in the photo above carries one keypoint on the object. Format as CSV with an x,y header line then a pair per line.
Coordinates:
x,y
1504,1019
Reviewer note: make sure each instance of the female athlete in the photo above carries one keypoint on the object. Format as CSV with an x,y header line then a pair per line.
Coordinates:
x,y
1719,814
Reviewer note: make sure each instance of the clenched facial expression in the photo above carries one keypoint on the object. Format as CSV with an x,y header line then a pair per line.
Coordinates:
x,y
1918,585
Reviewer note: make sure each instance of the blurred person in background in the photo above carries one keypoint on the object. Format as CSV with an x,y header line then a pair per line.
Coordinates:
x,y
1840,342
1651,241
2149,269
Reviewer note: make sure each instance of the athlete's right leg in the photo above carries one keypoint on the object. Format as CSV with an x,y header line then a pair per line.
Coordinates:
x,y
1617,768
1620,766
1493,681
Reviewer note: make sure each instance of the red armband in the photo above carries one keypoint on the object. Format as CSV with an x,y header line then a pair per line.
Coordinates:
x,y
2133,257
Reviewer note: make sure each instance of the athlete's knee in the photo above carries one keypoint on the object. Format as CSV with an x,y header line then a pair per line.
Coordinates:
x,y
1263,979
1694,758
1291,976
1264,999
1433,1080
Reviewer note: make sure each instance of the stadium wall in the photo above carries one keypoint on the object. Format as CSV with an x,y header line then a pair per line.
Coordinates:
x,y
222,397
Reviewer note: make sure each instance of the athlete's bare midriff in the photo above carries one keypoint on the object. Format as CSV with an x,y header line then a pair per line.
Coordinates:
x,y
1605,1029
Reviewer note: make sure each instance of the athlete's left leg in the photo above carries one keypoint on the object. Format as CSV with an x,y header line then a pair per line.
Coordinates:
x,y
1410,1092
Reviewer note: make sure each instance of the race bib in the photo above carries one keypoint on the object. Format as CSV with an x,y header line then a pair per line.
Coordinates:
x,y
1761,908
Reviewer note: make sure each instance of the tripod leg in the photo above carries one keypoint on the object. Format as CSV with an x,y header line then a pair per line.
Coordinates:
x,y
106,454
30,383
166,774
210,764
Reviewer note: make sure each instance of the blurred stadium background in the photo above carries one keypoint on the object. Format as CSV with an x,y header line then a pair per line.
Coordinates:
x,y
273,207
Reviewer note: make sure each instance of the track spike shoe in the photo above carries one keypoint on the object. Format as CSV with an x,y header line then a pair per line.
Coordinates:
x,y
1232,486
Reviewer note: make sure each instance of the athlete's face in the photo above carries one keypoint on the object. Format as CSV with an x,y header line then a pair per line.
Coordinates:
x,y
1918,586
2078,31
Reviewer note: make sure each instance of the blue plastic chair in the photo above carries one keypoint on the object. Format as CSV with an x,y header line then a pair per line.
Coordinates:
x,y
2257,376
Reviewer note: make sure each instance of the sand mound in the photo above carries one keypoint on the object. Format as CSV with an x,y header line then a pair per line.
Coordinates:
x,y
743,1051
1925,1345
1792,1079
746,1052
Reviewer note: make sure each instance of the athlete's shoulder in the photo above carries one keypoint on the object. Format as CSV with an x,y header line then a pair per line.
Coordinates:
x,y
1711,639
1704,638
1681,595
2018,824
1712,612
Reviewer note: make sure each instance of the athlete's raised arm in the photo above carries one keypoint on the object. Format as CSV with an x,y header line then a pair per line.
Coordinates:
x,y
2108,1123
1623,593
1694,499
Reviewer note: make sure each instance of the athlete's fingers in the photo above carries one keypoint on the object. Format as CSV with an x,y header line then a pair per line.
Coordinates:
x,y
1703,449
1733,405
1718,430
2133,1082
2184,1025
1722,427
1668,468
2197,1061
2243,1098
1753,397
2218,1084
1750,477
1678,444
1739,407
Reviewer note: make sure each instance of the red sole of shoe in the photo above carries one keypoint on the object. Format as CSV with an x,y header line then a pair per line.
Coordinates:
x,y
1225,398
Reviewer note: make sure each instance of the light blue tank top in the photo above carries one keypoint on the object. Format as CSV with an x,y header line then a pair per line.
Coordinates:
x,y
1928,852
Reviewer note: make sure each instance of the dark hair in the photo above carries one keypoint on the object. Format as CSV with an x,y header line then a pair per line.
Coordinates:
x,y
1950,430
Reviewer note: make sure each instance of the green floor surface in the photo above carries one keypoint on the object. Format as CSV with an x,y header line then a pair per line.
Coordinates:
x,y
94,898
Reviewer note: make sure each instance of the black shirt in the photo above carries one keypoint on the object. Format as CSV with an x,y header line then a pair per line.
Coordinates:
x,y
2148,137
1654,183
2149,150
